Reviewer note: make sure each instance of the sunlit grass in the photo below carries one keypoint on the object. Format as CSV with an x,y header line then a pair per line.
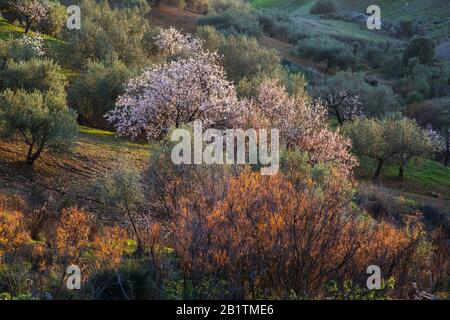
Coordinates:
x,y
421,175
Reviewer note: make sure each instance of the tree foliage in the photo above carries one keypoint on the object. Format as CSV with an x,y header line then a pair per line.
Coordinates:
x,y
42,121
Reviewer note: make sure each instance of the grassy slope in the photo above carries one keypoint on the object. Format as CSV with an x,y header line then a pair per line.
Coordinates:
x,y
72,176
422,176
433,15
8,30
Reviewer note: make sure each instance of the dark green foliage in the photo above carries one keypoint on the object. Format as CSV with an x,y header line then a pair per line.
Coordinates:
x,y
334,53
241,56
422,48
95,91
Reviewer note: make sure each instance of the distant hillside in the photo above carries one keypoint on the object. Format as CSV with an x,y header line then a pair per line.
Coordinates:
x,y
432,15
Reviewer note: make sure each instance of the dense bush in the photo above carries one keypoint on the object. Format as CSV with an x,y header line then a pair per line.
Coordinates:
x,y
107,32
334,53
94,92
422,48
242,19
35,74
54,20
406,29
277,25
22,49
241,56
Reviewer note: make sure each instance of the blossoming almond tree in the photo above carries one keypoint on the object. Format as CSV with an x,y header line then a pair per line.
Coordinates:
x,y
172,42
302,124
176,93
30,10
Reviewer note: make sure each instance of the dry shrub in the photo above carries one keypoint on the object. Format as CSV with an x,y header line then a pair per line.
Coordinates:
x,y
267,238
79,241
108,247
272,237
13,234
72,235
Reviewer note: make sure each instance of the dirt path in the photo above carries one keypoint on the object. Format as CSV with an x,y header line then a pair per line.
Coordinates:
x,y
441,203
169,16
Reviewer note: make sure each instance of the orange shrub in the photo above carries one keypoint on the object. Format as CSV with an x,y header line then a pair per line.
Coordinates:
x,y
267,238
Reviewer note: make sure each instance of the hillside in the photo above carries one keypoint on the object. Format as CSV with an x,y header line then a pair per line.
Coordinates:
x,y
433,15
68,178
108,187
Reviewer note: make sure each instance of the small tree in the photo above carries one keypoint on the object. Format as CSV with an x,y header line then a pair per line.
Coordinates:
x,y
121,188
376,139
41,119
342,96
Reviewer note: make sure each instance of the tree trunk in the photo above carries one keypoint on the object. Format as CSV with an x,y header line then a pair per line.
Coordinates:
x,y
139,248
447,150
401,172
30,154
31,158
376,176
27,25
339,117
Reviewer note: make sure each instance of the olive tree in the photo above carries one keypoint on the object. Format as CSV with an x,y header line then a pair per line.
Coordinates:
x,y
373,138
94,92
414,142
42,120
391,139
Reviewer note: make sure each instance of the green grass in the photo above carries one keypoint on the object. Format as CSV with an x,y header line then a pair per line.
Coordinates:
x,y
433,15
314,25
421,176
423,172
109,140
8,30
